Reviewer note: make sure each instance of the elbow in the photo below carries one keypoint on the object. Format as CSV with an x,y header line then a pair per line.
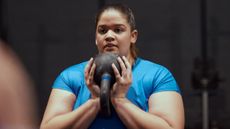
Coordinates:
x,y
177,126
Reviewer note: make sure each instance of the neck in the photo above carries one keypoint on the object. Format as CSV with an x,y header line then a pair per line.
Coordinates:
x,y
130,59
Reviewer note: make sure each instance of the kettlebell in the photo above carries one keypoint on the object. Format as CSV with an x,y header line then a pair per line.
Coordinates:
x,y
104,77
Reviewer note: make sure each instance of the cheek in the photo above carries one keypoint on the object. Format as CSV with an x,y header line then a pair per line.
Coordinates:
x,y
125,42
99,43
98,39
124,47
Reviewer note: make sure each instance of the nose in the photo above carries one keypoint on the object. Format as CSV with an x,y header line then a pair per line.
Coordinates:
x,y
109,36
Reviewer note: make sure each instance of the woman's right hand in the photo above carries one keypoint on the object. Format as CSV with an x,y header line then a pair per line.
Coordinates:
x,y
89,74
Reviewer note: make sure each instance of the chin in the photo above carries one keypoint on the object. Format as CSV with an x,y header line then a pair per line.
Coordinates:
x,y
111,50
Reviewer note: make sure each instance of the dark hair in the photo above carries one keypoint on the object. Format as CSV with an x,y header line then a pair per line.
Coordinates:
x,y
128,13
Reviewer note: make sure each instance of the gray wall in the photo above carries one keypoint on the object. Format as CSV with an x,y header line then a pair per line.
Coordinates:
x,y
50,35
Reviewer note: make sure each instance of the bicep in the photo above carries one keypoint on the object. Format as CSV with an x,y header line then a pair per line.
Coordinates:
x,y
169,106
60,102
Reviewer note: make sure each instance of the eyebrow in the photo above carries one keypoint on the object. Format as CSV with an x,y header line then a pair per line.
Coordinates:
x,y
116,25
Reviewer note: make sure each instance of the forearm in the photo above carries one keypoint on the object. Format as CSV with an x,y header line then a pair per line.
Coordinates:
x,y
134,118
79,118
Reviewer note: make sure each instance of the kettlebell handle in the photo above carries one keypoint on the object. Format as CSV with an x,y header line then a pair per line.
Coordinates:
x,y
105,78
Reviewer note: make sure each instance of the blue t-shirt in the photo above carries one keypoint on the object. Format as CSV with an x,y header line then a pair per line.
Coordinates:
x,y
148,78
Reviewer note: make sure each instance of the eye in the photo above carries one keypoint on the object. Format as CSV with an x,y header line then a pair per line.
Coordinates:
x,y
102,30
118,30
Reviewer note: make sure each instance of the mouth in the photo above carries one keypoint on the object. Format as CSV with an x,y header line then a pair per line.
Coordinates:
x,y
110,47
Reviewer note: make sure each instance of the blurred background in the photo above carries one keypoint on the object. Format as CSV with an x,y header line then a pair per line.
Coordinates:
x,y
190,37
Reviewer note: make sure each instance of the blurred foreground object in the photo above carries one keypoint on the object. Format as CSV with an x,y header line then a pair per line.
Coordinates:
x,y
17,96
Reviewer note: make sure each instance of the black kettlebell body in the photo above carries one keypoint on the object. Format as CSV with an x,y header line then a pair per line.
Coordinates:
x,y
105,78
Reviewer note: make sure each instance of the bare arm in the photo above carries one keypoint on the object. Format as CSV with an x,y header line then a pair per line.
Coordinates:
x,y
59,114
165,112
165,108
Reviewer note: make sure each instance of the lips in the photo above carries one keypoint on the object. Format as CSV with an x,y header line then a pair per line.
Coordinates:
x,y
110,46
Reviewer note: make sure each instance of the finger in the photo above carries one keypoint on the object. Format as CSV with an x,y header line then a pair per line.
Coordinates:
x,y
96,89
126,62
116,71
88,66
113,90
91,74
92,70
123,67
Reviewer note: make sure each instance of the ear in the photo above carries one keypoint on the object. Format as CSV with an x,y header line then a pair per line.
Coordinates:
x,y
134,35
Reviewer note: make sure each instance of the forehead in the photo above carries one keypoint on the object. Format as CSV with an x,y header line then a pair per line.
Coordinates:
x,y
112,16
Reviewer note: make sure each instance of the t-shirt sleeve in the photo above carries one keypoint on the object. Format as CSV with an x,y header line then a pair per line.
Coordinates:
x,y
164,81
61,82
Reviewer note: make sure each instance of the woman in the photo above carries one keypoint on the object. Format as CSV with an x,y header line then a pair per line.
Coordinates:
x,y
145,94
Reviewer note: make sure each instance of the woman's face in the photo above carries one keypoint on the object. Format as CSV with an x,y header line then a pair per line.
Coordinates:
x,y
113,33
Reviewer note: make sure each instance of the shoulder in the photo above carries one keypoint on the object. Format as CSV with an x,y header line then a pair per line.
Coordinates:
x,y
151,70
71,77
76,70
158,76
149,66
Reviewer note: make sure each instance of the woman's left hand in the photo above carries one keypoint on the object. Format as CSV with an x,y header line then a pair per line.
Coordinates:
x,y
123,79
